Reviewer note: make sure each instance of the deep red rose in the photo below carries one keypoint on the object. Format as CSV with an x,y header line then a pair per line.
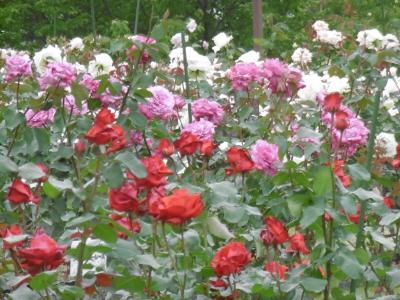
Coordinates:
x,y
276,268
20,192
332,102
389,202
44,169
239,160
297,244
166,147
207,148
339,172
104,117
104,279
124,198
43,254
119,141
11,231
79,147
219,283
341,120
275,232
230,259
187,144
156,172
180,206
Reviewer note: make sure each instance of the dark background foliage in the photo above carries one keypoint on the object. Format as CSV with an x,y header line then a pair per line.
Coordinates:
x,y
28,24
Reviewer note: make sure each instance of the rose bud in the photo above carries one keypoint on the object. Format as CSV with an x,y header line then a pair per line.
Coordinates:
x,y
332,102
79,147
341,120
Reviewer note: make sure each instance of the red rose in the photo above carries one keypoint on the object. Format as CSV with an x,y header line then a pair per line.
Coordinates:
x,y
355,218
44,169
42,254
207,148
230,259
166,147
339,172
104,279
11,231
297,244
389,202
239,160
180,206
79,147
127,223
396,163
276,268
341,120
187,144
104,117
275,232
327,216
153,199
119,141
332,102
156,172
124,198
20,192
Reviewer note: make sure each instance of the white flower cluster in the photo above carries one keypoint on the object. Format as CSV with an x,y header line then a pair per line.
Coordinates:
x,y
196,61
46,55
302,56
387,142
373,39
220,41
391,92
176,40
326,36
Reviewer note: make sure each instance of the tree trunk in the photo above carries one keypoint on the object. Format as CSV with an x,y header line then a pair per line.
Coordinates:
x,y
257,22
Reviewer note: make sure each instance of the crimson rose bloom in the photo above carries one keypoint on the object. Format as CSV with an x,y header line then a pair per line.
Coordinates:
x,y
275,232
332,102
276,268
230,259
207,148
297,244
187,144
179,207
156,172
166,147
11,231
124,198
389,202
105,132
240,161
20,192
43,254
341,120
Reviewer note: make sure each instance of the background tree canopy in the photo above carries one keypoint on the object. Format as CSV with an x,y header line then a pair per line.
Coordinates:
x,y
28,24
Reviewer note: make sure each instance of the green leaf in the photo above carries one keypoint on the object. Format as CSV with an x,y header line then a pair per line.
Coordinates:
x,y
79,220
233,213
105,232
310,215
7,165
43,280
314,285
322,181
349,264
113,175
50,190
378,237
365,195
30,171
148,260
79,92
389,218
394,276
359,172
217,228
60,184
128,283
224,190
133,163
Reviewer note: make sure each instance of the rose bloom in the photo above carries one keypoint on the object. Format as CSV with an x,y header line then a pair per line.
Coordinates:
x,y
242,75
209,110
40,118
180,206
389,202
355,218
207,148
339,172
341,120
332,102
204,130
187,144
265,157
145,56
57,74
18,66
10,231
239,160
153,199
159,105
297,244
165,147
156,172
127,223
20,192
43,167
43,254
276,268
275,232
230,259
124,198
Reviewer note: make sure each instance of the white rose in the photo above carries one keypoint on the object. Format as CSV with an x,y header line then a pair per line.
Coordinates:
x,y
249,57
302,56
390,41
176,40
370,39
320,26
191,25
196,61
76,43
388,142
313,85
46,55
102,64
220,41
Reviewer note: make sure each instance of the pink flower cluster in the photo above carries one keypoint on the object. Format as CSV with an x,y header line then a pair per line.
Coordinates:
x,y
91,84
71,107
265,157
161,105
204,130
209,110
242,75
18,66
57,74
39,118
355,135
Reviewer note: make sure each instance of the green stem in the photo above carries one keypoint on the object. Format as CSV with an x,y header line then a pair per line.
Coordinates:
x,y
184,264
136,16
185,67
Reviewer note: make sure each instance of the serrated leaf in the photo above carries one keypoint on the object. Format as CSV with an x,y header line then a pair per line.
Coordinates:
x,y
148,260
7,165
314,285
132,163
105,232
359,172
310,215
43,280
322,181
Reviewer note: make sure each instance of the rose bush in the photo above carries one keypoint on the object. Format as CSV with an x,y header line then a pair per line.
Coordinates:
x,y
130,170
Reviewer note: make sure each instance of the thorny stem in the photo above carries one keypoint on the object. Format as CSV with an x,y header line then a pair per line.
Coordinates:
x,y
184,264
